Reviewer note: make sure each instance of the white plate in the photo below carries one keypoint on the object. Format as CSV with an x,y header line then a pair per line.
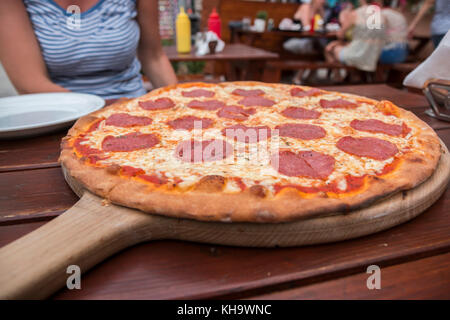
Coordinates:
x,y
33,114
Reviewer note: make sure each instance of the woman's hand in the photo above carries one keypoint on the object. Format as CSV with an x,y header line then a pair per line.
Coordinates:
x,y
425,7
340,34
20,53
154,61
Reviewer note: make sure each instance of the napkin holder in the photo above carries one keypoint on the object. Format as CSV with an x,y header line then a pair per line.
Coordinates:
x,y
437,93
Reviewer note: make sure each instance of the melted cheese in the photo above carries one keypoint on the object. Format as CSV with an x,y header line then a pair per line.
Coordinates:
x,y
251,164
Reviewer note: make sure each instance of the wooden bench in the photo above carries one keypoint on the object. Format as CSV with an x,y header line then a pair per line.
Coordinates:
x,y
392,73
273,70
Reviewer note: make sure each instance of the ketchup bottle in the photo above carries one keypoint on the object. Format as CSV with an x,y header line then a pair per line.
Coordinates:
x,y
214,22
313,23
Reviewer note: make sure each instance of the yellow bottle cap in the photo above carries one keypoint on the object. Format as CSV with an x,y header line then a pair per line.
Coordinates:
x,y
182,14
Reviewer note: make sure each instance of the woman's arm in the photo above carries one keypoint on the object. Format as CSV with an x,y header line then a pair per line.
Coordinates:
x,y
425,7
154,61
304,14
19,51
347,19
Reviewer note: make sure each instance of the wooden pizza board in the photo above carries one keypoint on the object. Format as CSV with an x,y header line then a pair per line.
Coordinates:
x,y
35,265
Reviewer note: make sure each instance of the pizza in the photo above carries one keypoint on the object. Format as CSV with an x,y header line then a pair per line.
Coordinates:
x,y
249,151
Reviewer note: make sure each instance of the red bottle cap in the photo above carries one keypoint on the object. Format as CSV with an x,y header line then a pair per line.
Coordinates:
x,y
214,14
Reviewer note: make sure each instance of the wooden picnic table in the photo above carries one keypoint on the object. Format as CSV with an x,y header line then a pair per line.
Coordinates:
x,y
414,257
243,62
238,35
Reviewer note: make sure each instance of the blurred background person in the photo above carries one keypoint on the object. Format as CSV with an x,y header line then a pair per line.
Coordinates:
x,y
366,45
304,14
441,19
42,51
395,49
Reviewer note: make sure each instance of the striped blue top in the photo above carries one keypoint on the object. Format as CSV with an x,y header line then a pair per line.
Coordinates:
x,y
98,55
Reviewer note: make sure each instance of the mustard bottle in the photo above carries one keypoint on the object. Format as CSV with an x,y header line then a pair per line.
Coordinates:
x,y
183,29
317,25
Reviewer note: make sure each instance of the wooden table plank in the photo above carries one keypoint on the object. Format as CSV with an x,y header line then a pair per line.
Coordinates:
x,y
13,232
174,270
231,52
427,278
330,35
38,152
33,194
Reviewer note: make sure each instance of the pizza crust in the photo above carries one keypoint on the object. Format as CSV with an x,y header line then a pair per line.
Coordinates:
x,y
207,202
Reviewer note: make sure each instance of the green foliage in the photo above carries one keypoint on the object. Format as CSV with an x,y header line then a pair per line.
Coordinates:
x,y
167,42
174,66
189,67
262,14
195,67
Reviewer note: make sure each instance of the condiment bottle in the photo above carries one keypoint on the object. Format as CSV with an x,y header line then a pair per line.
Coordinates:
x,y
214,22
183,29
313,22
317,19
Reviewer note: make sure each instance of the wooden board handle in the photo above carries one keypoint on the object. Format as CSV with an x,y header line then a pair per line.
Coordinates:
x,y
35,265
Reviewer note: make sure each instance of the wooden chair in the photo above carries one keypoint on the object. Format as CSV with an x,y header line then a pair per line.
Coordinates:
x,y
272,72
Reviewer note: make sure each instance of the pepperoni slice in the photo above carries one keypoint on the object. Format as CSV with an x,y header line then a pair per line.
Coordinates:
x,y
301,131
310,164
377,126
131,171
129,142
203,151
235,112
256,101
126,120
84,148
206,104
189,122
374,148
198,93
300,113
338,103
299,92
248,93
246,134
158,104
153,178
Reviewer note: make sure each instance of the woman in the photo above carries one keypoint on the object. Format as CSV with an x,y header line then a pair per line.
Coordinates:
x,y
42,50
395,49
440,24
367,42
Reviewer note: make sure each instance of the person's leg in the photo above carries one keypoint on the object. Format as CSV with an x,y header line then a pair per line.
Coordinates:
x,y
395,54
329,55
337,53
298,77
436,39
338,57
